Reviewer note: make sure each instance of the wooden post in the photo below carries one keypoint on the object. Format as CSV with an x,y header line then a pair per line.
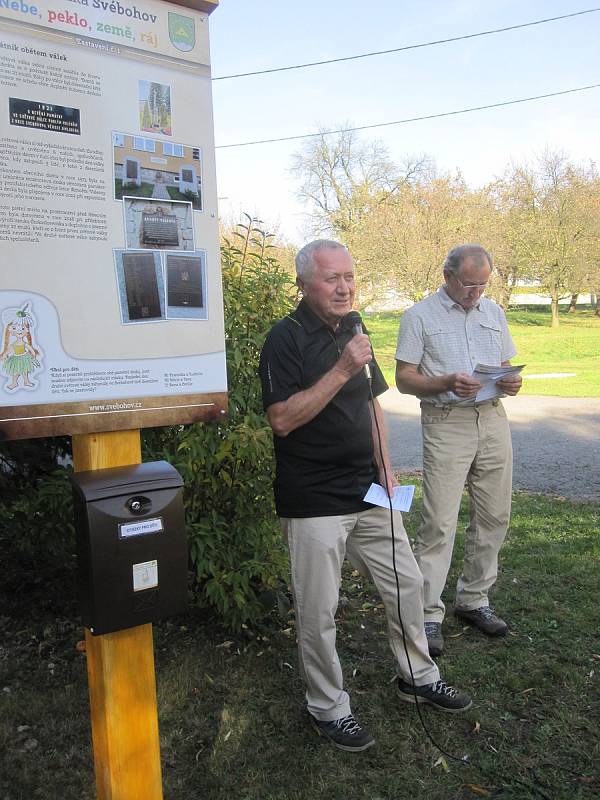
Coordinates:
x,y
121,677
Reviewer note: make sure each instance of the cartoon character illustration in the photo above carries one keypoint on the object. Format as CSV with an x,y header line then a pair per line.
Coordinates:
x,y
19,355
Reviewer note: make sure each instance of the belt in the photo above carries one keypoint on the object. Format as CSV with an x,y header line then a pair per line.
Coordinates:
x,y
448,406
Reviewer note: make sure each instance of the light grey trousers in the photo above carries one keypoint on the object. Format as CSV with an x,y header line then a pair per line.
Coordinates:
x,y
463,444
317,547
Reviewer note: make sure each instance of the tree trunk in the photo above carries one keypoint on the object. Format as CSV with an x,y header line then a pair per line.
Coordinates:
x,y
554,310
504,296
573,303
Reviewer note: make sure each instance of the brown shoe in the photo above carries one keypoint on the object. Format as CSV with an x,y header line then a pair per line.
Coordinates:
x,y
483,618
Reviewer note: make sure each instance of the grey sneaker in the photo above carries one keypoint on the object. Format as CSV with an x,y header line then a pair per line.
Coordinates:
x,y
483,618
438,694
435,640
345,733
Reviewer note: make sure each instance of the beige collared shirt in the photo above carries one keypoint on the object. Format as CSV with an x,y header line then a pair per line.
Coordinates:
x,y
440,337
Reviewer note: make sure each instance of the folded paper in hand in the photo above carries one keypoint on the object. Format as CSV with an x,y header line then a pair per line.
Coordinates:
x,y
487,377
401,498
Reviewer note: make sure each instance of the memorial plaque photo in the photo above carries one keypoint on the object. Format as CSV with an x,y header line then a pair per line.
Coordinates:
x,y
187,176
184,281
132,170
160,230
141,286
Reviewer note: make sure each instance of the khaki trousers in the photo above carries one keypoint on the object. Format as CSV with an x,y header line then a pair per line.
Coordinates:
x,y
317,547
461,444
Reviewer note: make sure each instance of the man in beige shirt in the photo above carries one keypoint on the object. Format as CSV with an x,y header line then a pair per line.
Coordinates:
x,y
441,340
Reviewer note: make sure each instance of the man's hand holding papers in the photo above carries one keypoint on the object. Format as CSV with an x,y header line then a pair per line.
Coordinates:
x,y
496,381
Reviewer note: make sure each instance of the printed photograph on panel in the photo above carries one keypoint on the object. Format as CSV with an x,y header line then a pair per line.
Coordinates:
x,y
186,285
141,286
146,167
158,224
155,107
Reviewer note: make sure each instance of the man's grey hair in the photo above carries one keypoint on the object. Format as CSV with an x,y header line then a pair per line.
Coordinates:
x,y
457,255
305,262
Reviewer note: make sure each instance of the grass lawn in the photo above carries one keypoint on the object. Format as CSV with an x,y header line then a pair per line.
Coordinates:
x,y
231,710
144,190
175,194
574,348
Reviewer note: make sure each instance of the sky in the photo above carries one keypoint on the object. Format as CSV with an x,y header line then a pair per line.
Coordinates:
x,y
265,34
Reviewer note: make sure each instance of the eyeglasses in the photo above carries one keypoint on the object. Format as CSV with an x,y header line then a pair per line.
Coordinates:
x,y
480,287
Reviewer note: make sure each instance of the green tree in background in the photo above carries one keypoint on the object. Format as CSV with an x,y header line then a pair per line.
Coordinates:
x,y
551,226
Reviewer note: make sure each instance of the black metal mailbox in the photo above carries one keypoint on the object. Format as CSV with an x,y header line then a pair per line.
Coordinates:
x,y
131,545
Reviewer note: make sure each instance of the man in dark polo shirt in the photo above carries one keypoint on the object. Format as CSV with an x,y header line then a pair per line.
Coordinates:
x,y
319,404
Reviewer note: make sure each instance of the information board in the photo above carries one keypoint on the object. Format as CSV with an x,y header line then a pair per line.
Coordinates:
x,y
110,290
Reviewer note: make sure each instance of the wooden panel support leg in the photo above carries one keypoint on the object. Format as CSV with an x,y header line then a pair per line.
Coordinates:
x,y
121,676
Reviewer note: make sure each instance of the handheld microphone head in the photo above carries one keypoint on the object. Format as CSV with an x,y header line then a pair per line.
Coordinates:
x,y
353,322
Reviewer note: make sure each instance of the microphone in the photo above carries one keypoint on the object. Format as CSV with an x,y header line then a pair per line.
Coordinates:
x,y
353,322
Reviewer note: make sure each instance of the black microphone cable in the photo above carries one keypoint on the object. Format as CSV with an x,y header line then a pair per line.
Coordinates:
x,y
465,760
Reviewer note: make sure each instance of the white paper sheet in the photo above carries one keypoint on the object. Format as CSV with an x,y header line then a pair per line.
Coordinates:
x,y
401,499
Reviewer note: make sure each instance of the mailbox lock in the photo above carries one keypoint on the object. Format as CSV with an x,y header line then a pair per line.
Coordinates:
x,y
139,504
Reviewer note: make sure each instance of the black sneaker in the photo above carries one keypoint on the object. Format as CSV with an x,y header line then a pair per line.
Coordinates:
x,y
435,640
483,618
438,694
344,733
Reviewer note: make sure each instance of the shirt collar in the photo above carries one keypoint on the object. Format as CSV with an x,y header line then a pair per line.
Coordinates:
x,y
448,303
307,317
311,322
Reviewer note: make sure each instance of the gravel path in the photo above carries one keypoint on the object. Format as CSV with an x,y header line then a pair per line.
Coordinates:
x,y
556,441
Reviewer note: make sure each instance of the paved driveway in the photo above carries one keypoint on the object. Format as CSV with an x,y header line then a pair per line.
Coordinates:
x,y
556,441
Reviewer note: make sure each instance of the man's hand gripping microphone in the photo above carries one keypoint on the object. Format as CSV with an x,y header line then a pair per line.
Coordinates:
x,y
353,322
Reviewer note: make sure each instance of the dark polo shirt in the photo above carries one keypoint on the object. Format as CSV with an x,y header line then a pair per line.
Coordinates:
x,y
326,466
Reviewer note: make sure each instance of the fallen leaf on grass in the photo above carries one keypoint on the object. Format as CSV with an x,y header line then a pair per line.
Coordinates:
x,y
227,735
478,790
224,644
456,635
477,728
441,762
585,779
526,691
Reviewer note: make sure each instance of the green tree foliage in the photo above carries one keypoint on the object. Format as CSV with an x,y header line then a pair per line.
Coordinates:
x,y
235,542
36,518
552,225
